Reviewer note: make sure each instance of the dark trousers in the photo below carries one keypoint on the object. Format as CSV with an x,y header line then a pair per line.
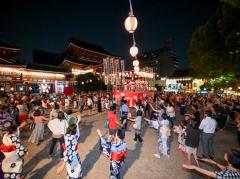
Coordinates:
x,y
138,136
81,108
53,143
222,121
124,121
207,144
171,119
147,111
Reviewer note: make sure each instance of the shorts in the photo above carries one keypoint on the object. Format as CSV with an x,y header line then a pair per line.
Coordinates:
x,y
191,150
112,132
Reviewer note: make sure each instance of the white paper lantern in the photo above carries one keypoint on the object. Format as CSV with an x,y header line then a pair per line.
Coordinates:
x,y
131,23
135,63
133,50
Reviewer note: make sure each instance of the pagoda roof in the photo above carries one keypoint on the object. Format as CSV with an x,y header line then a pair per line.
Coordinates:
x,y
89,46
85,62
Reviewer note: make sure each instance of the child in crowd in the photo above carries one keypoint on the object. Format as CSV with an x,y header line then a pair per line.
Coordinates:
x,y
180,131
116,151
38,131
138,123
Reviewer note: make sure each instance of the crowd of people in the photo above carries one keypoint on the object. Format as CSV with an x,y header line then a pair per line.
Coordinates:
x,y
203,116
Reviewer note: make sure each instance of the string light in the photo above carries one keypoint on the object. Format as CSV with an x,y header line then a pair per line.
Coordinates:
x,y
131,24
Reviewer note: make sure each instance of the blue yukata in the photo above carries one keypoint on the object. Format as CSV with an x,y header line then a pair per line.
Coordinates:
x,y
117,152
163,139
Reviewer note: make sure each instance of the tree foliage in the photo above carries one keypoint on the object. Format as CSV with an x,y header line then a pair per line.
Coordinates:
x,y
225,81
233,3
215,47
89,82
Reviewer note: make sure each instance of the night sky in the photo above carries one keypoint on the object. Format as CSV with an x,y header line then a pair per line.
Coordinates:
x,y
48,25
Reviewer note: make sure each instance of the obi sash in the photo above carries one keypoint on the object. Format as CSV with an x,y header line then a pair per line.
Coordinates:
x,y
119,156
9,148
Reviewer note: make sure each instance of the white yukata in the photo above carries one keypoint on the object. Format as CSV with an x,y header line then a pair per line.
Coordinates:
x,y
71,157
13,150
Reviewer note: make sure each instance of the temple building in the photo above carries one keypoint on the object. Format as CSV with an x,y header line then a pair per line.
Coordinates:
x,y
163,61
19,77
50,72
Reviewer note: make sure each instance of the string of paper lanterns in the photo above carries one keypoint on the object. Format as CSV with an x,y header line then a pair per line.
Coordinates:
x,y
131,24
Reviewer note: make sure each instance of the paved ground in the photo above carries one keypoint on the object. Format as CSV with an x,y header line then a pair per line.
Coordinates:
x,y
140,164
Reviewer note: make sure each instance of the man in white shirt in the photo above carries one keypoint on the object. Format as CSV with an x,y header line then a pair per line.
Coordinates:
x,y
208,126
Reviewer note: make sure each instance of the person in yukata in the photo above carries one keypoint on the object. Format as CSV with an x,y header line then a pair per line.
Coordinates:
x,y
14,151
71,158
163,127
116,151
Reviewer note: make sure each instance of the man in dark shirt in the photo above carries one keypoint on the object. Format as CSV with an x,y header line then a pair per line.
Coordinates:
x,y
192,140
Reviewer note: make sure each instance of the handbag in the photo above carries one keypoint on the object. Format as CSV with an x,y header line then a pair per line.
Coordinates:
x,y
106,123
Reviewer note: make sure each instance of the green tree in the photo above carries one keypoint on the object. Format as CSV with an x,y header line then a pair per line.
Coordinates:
x,y
89,82
215,47
225,81
233,3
